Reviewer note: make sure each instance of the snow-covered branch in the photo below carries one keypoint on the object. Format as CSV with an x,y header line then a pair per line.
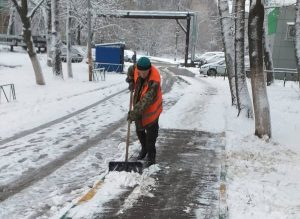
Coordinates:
x,y
16,4
31,14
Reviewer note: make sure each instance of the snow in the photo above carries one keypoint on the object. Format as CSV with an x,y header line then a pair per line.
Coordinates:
x,y
270,3
114,184
263,175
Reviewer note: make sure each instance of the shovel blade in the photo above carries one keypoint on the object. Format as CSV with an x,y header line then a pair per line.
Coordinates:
x,y
126,166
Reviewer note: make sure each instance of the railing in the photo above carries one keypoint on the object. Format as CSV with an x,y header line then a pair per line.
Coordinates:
x,y
109,67
99,73
285,74
8,91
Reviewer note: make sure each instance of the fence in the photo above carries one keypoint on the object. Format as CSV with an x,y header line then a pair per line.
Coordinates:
x,y
110,67
285,74
8,91
99,73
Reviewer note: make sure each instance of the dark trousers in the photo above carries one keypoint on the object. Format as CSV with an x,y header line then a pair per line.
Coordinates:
x,y
148,138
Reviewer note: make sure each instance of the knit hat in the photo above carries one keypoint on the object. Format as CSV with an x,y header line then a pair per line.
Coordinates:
x,y
143,63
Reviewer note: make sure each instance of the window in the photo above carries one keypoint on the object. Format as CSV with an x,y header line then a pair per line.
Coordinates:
x,y
290,31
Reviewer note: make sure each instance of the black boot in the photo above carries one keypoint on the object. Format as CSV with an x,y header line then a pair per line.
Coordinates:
x,y
150,161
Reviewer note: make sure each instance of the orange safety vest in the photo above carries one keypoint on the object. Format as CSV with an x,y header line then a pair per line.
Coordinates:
x,y
152,113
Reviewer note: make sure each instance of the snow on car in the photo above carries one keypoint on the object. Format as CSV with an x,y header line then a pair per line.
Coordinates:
x,y
215,68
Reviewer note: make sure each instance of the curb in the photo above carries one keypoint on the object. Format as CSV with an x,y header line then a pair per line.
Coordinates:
x,y
88,195
223,208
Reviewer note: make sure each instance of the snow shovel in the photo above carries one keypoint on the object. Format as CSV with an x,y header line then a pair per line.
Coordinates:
x,y
126,165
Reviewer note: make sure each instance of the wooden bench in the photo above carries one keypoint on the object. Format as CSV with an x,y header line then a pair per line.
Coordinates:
x,y
8,91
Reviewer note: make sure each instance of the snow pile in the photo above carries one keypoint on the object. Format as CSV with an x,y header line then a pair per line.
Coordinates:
x,y
263,179
263,175
147,183
115,183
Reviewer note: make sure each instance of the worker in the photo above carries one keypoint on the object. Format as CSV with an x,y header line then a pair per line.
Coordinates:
x,y
144,81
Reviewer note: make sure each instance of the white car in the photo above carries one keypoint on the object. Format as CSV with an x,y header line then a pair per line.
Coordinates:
x,y
207,56
128,55
216,68
215,58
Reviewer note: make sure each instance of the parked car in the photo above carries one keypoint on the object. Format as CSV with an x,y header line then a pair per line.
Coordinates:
x,y
76,56
216,68
203,59
128,55
219,67
215,58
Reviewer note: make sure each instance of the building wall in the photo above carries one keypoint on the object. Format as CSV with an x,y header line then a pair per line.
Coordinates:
x,y
284,55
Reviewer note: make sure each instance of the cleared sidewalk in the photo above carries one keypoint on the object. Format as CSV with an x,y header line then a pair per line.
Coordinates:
x,y
188,184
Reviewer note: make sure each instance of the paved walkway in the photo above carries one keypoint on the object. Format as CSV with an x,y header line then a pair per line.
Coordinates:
x,y
188,182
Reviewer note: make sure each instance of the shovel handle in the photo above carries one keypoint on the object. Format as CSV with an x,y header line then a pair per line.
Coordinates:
x,y
128,128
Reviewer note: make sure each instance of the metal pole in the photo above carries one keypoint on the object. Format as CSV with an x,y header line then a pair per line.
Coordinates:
x,y
89,41
176,44
187,40
194,36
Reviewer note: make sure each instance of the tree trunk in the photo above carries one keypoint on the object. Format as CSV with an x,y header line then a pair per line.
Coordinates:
x,y
47,14
243,97
227,36
297,26
268,59
27,37
11,22
78,35
89,43
56,43
69,53
258,79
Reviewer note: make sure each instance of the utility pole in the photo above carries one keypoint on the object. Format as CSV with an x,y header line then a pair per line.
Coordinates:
x,y
187,40
176,43
89,46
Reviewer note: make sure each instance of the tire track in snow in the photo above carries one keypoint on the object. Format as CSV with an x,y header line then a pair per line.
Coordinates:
x,y
61,119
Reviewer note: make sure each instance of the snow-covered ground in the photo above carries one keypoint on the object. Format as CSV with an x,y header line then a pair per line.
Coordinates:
x,y
263,175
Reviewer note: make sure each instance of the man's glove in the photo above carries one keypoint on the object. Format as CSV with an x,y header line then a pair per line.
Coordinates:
x,y
131,86
133,116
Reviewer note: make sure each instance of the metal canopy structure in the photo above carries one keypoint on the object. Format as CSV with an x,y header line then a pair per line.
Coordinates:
x,y
177,15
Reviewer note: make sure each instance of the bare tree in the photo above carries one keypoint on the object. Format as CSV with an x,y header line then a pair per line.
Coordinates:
x,y
68,34
297,26
47,18
258,79
26,17
89,42
228,41
12,18
242,93
56,42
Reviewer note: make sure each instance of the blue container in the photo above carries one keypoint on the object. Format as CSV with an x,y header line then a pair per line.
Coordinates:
x,y
110,56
